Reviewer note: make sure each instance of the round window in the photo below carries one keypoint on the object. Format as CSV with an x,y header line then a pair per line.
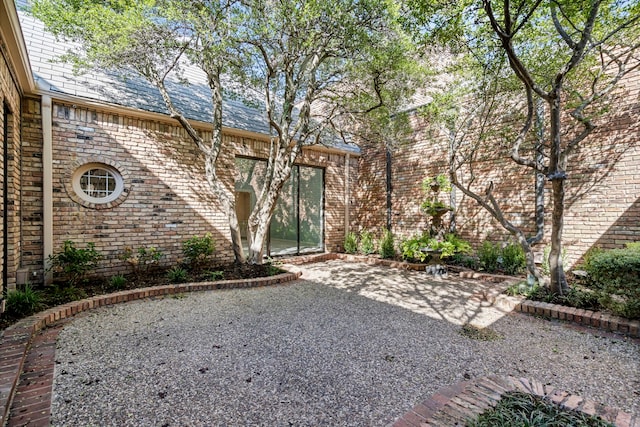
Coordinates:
x,y
97,183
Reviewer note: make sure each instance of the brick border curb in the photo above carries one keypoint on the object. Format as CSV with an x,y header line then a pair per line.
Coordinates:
x,y
453,405
593,319
16,340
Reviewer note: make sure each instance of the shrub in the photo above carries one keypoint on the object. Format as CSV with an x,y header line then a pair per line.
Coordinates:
x,y
118,281
61,295
23,302
177,275
413,249
143,258
387,247
216,275
72,264
513,259
198,250
465,260
367,246
489,255
350,243
615,275
417,248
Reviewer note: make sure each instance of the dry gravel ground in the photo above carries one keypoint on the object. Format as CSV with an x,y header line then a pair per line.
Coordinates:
x,y
353,345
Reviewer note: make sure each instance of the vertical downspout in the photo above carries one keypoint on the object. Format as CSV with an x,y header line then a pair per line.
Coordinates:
x,y
347,190
389,187
452,194
5,205
47,183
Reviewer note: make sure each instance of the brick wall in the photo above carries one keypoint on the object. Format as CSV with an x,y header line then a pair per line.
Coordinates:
x,y
167,198
9,104
603,188
31,197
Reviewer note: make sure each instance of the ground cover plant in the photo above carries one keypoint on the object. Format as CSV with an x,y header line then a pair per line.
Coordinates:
x,y
75,278
517,409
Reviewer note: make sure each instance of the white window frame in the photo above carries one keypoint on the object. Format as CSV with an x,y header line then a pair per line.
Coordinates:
x,y
81,170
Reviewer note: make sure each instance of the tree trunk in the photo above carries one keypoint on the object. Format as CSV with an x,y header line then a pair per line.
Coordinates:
x,y
260,217
558,281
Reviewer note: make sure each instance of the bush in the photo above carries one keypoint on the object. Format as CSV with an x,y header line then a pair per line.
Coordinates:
x,y
118,281
350,243
465,260
143,258
417,248
73,264
216,275
198,250
489,256
387,247
177,275
615,275
513,259
23,302
367,246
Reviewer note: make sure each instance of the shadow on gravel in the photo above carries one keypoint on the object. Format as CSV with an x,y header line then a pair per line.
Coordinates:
x,y
454,300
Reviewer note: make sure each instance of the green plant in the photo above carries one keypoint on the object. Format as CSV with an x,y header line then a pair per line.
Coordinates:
x,y
177,275
489,255
387,247
118,281
434,207
216,275
465,260
418,247
57,295
367,246
350,243
23,302
615,276
72,264
198,250
142,258
273,266
513,259
522,409
436,184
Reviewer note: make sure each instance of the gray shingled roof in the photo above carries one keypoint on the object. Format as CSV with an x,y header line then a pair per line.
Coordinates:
x,y
131,90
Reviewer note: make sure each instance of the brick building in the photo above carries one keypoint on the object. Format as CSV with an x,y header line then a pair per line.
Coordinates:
x,y
602,189
95,158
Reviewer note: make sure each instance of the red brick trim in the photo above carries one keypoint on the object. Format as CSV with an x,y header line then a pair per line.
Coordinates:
x,y
16,340
454,405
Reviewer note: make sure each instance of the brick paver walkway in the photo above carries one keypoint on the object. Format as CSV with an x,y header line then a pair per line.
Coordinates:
x,y
31,404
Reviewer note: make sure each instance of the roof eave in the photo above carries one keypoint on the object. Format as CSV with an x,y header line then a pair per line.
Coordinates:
x,y
143,114
16,47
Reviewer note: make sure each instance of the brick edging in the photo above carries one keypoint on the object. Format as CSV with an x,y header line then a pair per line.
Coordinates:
x,y
16,339
455,404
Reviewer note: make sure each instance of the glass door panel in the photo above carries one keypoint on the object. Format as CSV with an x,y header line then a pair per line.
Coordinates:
x,y
284,223
311,209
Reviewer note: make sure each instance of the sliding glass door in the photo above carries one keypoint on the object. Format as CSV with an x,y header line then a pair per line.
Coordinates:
x,y
297,223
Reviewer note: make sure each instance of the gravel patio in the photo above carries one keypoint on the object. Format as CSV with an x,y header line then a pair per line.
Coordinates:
x,y
349,345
